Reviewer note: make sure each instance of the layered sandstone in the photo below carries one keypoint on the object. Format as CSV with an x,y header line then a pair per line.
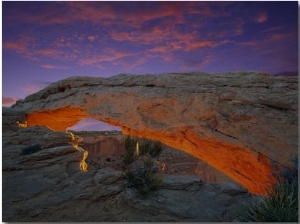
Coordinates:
x,y
237,122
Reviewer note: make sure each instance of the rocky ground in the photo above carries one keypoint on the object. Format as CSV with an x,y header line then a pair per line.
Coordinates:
x,y
51,185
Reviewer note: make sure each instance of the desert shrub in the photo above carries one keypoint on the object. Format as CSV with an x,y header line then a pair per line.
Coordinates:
x,y
281,202
138,165
31,149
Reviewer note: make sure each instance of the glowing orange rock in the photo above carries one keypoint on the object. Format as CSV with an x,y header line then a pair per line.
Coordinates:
x,y
56,119
237,122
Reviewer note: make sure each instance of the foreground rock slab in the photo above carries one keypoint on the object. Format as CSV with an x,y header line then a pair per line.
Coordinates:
x,y
236,121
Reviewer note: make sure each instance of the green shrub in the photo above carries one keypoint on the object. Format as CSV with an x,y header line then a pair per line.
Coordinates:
x,y
138,165
281,202
31,149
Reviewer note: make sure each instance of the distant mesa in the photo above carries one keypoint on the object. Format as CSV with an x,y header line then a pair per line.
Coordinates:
x,y
236,121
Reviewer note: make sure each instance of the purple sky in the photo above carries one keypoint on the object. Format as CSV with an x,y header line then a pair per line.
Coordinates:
x,y
43,42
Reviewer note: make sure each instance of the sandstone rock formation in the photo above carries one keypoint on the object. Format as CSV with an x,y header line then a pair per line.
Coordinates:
x,y
235,121
50,185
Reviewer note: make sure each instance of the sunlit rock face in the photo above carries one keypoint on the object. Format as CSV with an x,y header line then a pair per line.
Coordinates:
x,y
235,122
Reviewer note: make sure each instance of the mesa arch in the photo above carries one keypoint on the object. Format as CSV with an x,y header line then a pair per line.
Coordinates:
x,y
235,121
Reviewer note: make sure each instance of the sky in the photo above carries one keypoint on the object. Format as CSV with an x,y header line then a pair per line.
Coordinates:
x,y
43,42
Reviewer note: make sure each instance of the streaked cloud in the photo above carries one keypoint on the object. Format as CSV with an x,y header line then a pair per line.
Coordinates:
x,y
154,30
108,55
272,29
60,39
47,66
16,46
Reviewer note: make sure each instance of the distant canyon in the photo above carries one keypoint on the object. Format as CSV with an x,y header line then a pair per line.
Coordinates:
x,y
106,149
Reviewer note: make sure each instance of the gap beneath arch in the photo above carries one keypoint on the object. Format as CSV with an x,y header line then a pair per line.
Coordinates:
x,y
106,147
90,124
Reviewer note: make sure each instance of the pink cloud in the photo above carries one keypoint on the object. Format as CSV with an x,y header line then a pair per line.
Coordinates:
x,y
248,43
26,49
128,63
186,45
239,27
105,13
262,17
33,88
108,55
277,28
91,38
88,11
47,66
16,46
200,8
156,35
200,44
7,101
280,36
46,52
58,54
198,63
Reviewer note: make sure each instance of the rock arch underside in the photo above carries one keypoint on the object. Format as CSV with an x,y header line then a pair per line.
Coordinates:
x,y
236,121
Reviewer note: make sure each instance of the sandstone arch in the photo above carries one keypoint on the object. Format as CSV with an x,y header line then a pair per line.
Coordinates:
x,y
235,121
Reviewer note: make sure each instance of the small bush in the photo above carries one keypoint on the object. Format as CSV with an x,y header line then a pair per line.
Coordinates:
x,y
31,149
138,165
281,202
